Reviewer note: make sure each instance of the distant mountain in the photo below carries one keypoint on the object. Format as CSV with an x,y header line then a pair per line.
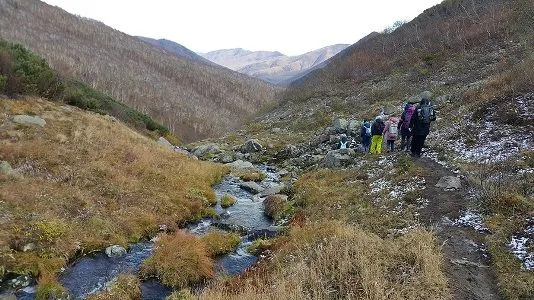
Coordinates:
x,y
176,49
193,99
273,67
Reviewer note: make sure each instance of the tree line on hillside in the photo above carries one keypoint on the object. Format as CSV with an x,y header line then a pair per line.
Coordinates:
x,y
25,73
448,30
193,99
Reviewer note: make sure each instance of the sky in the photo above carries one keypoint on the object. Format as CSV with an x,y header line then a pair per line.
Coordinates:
x,y
292,27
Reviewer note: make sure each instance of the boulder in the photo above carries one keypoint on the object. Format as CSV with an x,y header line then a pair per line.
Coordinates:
x,y
163,141
340,125
265,233
115,251
251,146
319,139
336,159
287,152
353,126
241,165
272,190
449,183
5,168
276,130
251,187
29,120
181,151
226,157
204,150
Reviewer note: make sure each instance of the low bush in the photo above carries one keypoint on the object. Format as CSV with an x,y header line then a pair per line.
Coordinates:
x,y
276,206
179,259
220,243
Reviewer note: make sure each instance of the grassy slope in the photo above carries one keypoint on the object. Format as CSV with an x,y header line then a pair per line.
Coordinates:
x,y
87,181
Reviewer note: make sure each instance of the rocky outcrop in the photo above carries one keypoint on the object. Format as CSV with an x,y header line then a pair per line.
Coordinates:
x,y
251,146
338,158
241,165
449,183
115,251
29,120
206,150
251,187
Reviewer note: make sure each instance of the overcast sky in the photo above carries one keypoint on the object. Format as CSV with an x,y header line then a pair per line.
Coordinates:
x,y
289,26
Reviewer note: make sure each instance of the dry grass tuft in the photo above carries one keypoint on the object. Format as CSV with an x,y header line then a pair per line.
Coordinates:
x,y
220,243
330,260
227,201
127,287
101,184
179,260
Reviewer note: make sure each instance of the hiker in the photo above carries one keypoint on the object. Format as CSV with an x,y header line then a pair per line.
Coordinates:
x,y
420,125
365,135
404,126
343,143
391,132
377,130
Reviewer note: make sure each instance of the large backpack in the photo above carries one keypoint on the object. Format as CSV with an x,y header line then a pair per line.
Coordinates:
x,y
393,129
408,116
368,131
426,114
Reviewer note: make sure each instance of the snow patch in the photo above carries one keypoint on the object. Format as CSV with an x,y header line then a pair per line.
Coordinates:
x,y
522,246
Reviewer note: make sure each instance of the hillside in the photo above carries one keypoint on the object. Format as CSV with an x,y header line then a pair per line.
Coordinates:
x,y
273,67
176,49
473,59
192,99
79,182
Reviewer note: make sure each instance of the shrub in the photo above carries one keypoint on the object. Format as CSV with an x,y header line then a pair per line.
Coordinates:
x,y
227,201
179,260
220,243
125,287
25,72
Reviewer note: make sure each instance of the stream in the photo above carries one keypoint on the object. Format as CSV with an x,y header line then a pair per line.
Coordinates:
x,y
90,274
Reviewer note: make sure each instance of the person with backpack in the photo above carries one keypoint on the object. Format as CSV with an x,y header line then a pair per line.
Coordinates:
x,y
391,132
404,127
377,131
343,143
420,124
365,135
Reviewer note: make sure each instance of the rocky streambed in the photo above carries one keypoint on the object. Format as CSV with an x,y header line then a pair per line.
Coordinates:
x,y
94,273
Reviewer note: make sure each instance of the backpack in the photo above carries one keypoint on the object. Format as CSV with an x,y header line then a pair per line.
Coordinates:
x,y
393,129
426,114
343,145
368,131
408,116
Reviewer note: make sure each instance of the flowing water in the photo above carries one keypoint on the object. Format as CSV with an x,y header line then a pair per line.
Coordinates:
x,y
93,273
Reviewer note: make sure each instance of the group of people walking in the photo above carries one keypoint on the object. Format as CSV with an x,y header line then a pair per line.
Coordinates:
x,y
412,127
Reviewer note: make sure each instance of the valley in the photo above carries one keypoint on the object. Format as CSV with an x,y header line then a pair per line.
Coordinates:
x,y
245,193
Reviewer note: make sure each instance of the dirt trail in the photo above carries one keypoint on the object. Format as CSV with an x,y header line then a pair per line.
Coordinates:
x,y
467,266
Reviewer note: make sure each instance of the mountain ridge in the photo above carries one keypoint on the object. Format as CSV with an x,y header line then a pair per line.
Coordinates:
x,y
272,66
